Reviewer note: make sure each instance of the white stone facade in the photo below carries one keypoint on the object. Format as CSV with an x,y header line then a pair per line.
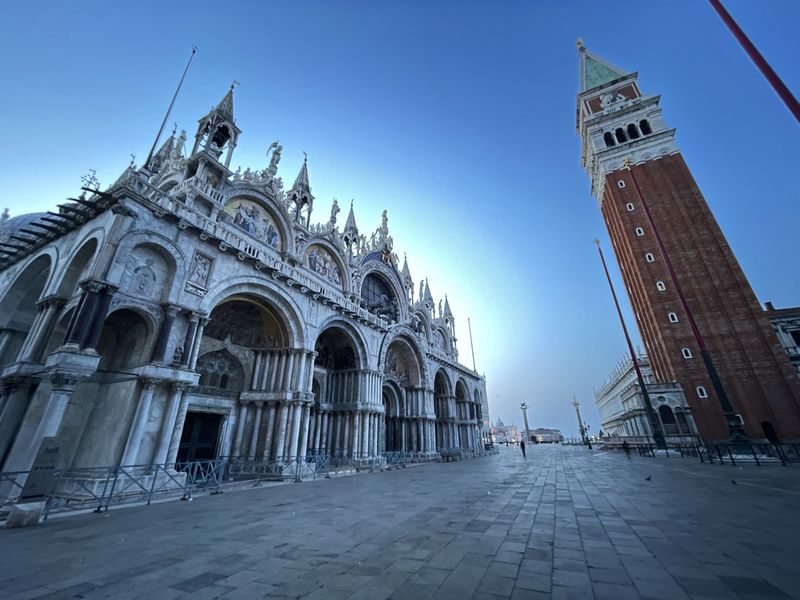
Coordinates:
x,y
192,312
786,323
621,405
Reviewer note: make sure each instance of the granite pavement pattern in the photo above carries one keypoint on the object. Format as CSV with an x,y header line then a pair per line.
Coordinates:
x,y
566,522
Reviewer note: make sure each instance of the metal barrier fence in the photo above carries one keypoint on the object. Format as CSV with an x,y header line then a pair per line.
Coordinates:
x,y
100,488
722,452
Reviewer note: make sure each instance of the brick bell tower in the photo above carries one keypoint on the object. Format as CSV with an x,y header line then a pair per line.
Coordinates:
x,y
636,168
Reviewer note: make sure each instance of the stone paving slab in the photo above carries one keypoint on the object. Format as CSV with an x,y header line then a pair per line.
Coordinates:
x,y
564,523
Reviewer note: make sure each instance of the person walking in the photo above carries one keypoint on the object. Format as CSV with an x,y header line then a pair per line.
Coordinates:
x,y
522,447
627,448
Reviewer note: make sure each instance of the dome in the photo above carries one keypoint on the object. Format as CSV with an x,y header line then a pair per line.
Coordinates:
x,y
12,226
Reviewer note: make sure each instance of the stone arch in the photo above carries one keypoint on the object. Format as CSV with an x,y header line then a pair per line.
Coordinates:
x,y
126,340
407,348
336,256
424,318
220,370
248,321
78,264
356,337
172,255
445,343
276,210
390,277
409,337
18,309
395,416
260,288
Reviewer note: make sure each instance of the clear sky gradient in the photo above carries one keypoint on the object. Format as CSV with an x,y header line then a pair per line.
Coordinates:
x,y
458,117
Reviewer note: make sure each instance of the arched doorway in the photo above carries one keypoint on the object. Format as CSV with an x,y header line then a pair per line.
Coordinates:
x,y
18,308
394,418
442,400
337,367
668,423
465,414
403,373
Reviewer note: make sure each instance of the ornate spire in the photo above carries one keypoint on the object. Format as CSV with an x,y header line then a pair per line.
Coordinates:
x,y
225,107
595,71
447,311
350,231
300,194
405,272
427,297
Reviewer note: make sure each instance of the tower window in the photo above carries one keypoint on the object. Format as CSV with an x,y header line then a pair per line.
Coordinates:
x,y
639,231
660,286
649,257
686,353
620,184
609,139
701,392
620,133
633,133
630,207
673,318
645,127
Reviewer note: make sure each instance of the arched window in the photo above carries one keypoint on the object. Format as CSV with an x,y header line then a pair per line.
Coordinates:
x,y
639,231
649,257
661,286
673,318
620,133
668,420
609,139
633,133
645,127
686,353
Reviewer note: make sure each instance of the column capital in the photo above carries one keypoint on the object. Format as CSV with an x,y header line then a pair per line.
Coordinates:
x,y
51,300
179,386
64,380
149,382
170,309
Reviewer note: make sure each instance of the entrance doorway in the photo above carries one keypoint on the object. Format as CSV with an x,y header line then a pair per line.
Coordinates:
x,y
200,436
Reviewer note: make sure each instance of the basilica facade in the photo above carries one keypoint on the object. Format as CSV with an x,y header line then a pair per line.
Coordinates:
x,y
191,312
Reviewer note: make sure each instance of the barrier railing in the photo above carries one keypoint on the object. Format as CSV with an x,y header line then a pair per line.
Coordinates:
x,y
732,453
100,488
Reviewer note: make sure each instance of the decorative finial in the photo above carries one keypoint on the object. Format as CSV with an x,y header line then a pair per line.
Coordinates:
x,y
235,83
174,128
133,162
579,43
597,242
351,202
305,156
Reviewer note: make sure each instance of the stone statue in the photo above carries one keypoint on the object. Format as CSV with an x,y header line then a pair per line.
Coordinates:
x,y
178,355
421,289
334,211
272,169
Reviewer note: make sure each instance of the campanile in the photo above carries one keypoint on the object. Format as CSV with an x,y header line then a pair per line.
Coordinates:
x,y
635,167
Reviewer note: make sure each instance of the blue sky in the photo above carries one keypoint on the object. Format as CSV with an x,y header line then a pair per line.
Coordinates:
x,y
458,117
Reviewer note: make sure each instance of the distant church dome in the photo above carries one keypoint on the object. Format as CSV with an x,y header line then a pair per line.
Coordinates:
x,y
9,227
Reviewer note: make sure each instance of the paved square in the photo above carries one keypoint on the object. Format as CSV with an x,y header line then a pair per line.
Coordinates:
x,y
564,523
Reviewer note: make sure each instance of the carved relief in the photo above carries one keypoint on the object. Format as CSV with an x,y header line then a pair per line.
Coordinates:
x,y
199,273
321,262
146,273
255,220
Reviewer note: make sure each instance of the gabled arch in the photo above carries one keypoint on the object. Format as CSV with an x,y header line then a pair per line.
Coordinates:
x,y
408,336
425,319
78,263
336,255
166,248
353,333
276,210
263,289
390,277
442,384
18,304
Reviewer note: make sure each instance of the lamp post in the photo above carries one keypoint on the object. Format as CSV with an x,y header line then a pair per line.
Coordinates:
x,y
524,407
581,426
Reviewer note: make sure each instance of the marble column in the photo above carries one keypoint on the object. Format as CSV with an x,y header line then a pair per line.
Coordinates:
x,y
168,423
357,433
304,430
325,435
177,430
198,338
37,338
346,434
296,422
17,393
256,430
240,423
160,349
136,435
98,318
188,340
283,417
82,317
272,412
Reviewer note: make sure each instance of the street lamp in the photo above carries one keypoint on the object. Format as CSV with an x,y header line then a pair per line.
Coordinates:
x,y
581,427
524,407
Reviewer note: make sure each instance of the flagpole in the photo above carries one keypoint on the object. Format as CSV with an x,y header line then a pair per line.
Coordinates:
x,y
655,425
169,110
777,84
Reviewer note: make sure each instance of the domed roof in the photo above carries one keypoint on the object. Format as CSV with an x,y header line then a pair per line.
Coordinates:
x,y
12,226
